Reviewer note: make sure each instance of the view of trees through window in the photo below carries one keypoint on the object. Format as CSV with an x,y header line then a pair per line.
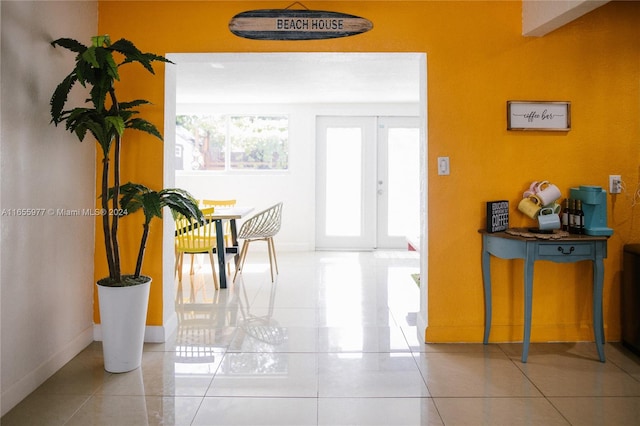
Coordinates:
x,y
232,142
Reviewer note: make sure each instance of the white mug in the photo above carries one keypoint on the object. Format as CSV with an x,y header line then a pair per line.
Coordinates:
x,y
548,193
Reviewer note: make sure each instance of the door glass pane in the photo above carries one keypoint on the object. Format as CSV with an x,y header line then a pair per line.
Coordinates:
x,y
344,182
404,182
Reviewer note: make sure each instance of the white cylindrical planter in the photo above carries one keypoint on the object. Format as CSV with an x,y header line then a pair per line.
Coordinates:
x,y
123,316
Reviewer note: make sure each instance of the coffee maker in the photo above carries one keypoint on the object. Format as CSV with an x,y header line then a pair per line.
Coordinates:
x,y
594,205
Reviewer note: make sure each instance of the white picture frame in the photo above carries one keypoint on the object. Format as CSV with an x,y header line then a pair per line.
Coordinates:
x,y
539,115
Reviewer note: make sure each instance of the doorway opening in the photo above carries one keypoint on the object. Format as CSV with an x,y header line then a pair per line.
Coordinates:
x,y
301,87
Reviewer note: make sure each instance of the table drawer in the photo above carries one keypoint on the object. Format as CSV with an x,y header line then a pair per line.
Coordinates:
x,y
565,249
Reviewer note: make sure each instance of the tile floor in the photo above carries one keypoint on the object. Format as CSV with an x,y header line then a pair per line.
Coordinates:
x,y
333,342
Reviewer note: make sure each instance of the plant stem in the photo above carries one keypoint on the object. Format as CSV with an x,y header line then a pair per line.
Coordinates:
x,y
116,192
105,217
143,244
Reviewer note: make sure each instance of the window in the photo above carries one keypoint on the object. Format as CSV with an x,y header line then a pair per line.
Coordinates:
x,y
232,142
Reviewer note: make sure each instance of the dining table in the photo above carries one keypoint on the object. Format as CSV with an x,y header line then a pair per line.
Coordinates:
x,y
220,215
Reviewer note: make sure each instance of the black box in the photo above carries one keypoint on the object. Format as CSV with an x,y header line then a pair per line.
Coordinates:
x,y
497,215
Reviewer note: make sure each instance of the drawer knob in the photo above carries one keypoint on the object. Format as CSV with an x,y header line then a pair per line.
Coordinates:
x,y
561,250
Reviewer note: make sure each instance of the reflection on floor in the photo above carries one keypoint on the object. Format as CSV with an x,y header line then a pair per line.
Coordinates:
x,y
332,342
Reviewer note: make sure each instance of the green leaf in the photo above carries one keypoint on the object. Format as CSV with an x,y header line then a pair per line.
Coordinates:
x,y
70,44
80,132
134,103
101,40
182,203
59,97
130,197
98,95
144,126
112,67
108,67
133,54
89,56
116,122
84,70
151,205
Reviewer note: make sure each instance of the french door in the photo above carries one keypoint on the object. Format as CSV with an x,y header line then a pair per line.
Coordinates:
x,y
368,182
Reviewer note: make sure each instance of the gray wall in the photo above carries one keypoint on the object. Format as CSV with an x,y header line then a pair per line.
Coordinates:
x,y
46,261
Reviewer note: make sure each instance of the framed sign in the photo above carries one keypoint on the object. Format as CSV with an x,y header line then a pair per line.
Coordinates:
x,y
535,115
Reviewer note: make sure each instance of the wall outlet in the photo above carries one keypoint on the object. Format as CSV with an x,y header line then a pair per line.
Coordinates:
x,y
615,184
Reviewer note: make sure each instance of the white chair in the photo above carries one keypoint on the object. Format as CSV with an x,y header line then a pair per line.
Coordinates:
x,y
261,227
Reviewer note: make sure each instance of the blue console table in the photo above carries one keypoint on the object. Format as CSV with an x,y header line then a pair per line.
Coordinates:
x,y
573,248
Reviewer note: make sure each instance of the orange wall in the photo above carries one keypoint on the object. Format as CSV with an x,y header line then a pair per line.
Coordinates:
x,y
477,60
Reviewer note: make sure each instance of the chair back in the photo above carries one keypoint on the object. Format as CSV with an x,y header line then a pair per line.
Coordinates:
x,y
192,236
265,224
222,204
218,203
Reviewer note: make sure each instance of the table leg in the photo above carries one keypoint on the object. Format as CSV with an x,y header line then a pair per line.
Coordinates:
x,y
598,321
528,300
486,277
234,241
222,270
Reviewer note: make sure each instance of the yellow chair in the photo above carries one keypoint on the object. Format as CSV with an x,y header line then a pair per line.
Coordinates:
x,y
196,238
261,227
221,204
218,203
228,239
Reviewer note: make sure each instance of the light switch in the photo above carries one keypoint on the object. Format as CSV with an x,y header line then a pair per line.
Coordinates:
x,y
443,166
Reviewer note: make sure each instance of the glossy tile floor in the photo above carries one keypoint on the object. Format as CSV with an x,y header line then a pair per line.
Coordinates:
x,y
332,342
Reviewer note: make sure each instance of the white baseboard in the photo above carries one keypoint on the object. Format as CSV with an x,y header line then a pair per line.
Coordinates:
x,y
30,382
152,333
421,329
282,247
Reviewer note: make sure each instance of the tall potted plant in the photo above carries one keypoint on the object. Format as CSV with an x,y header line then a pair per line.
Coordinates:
x,y
106,118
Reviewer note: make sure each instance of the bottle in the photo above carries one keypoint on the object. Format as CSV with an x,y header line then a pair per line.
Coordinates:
x,y
578,215
572,216
564,218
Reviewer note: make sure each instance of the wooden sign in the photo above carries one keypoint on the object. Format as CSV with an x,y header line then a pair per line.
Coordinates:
x,y
288,24
535,115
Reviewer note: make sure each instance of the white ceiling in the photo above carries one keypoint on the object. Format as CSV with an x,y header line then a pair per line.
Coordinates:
x,y
541,17
249,78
